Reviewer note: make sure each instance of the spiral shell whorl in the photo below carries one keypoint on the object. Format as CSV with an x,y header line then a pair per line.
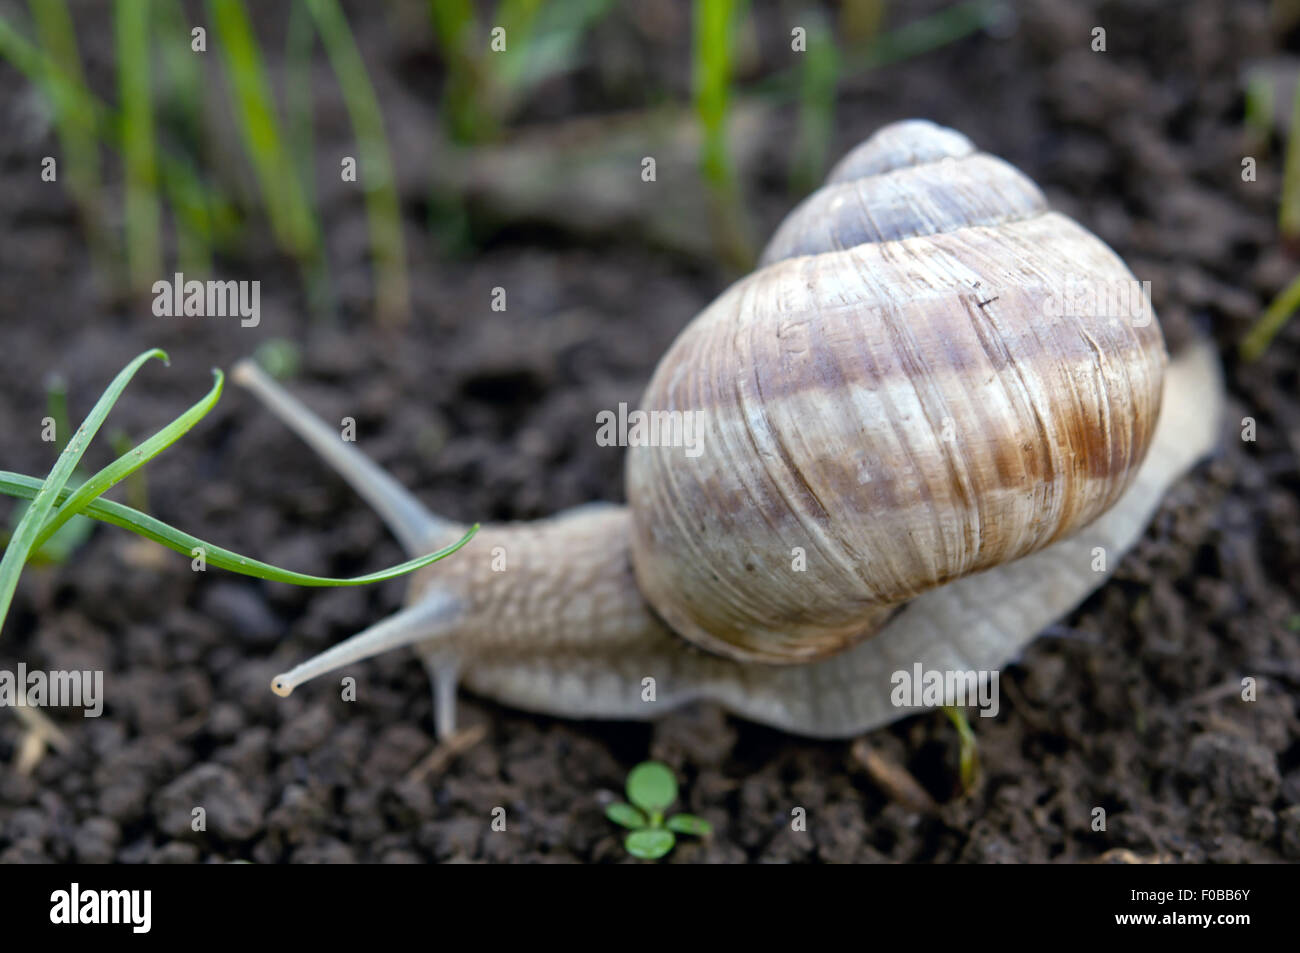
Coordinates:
x,y
908,180
894,397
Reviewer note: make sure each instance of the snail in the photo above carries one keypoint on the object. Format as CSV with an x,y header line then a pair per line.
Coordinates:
x,y
914,447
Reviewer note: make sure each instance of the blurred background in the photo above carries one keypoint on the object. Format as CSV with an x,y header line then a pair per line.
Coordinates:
x,y
503,264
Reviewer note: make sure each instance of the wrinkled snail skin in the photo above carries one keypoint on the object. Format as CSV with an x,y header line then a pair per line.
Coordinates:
x,y
896,393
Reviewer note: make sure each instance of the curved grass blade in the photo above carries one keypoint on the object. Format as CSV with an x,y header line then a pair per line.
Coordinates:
x,y
47,493
129,462
58,549
25,487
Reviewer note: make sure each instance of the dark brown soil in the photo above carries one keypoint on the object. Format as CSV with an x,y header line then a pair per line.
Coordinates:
x,y
1132,704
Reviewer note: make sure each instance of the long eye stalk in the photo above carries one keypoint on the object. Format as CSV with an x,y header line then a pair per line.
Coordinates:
x,y
411,522
416,623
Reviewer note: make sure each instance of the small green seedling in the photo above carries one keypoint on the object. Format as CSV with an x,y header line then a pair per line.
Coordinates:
x,y
970,761
652,789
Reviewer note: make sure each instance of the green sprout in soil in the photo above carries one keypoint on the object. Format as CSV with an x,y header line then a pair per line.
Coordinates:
x,y
53,504
652,789
1288,215
1275,316
143,211
969,757
1280,309
715,28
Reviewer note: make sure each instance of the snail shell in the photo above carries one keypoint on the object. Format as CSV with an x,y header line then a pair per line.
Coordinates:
x,y
899,394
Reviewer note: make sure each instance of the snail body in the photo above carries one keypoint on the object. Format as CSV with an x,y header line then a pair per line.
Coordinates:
x,y
910,453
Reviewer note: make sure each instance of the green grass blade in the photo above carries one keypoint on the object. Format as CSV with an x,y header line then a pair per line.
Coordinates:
x,y
202,217
1256,342
1258,110
180,95
715,24
1288,218
453,24
299,45
552,41
20,544
913,39
375,174
189,207
969,753
203,207
924,35
84,112
464,99
58,549
87,114
80,152
519,19
62,544
181,108
821,71
131,461
25,487
56,405
143,241
80,149
137,485
291,218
